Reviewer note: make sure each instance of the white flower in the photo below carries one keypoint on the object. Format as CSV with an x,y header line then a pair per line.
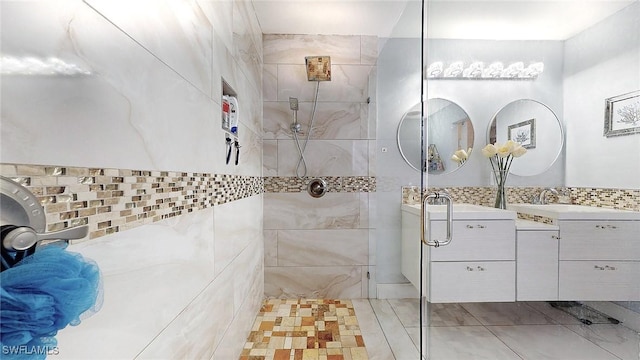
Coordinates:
x,y
461,154
518,151
506,149
501,155
456,158
489,150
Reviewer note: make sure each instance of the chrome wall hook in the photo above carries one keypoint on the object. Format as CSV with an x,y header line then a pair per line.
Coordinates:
x,y
237,145
228,149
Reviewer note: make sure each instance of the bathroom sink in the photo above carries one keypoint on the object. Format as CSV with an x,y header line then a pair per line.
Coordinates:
x,y
574,212
462,211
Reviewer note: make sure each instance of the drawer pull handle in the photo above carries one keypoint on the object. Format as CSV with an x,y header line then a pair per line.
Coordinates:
x,y
603,227
555,237
469,226
606,267
479,268
477,226
481,226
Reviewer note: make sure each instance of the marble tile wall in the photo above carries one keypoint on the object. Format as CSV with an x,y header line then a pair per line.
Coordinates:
x,y
169,281
319,247
148,100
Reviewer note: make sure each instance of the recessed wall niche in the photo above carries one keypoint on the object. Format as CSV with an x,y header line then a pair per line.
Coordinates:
x,y
230,109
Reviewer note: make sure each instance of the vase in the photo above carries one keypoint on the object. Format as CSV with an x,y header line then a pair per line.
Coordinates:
x,y
501,193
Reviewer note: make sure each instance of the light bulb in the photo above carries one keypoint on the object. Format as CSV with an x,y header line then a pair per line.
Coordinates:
x,y
474,70
454,69
435,69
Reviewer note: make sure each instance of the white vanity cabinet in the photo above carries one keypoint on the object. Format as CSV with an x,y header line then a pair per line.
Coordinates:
x,y
599,260
587,254
598,251
479,263
536,261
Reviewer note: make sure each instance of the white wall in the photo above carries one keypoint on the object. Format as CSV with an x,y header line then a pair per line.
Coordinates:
x,y
186,287
601,62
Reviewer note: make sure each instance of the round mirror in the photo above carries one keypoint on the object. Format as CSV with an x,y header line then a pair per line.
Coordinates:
x,y
536,127
449,142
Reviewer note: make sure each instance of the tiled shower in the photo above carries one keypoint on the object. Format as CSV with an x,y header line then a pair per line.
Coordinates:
x,y
319,247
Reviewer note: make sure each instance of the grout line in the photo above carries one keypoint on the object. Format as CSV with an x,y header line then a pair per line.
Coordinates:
x,y
384,333
502,341
396,318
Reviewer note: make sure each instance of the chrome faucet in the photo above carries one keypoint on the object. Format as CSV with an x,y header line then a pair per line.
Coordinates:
x,y
440,200
542,199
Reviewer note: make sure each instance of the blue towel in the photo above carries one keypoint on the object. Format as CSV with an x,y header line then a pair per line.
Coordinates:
x,y
42,294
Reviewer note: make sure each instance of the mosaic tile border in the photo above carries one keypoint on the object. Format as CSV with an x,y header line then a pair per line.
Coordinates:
x,y
536,218
621,199
480,195
287,184
113,200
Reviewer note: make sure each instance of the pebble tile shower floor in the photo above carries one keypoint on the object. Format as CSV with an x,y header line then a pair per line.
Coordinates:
x,y
305,329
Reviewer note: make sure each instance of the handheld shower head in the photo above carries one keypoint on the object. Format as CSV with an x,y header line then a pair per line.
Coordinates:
x,y
293,103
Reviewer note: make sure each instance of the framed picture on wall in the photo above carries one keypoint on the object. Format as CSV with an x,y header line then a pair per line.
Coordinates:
x,y
524,133
622,114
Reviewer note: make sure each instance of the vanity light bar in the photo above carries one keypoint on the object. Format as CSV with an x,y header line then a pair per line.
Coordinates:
x,y
478,71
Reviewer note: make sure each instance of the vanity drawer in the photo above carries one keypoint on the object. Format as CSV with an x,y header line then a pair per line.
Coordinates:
x,y
599,240
599,280
472,281
475,240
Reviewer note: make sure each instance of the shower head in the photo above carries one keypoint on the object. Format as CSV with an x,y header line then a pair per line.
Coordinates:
x,y
318,68
293,103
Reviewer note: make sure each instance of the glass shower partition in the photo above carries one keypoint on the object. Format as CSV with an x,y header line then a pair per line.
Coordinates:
x,y
548,288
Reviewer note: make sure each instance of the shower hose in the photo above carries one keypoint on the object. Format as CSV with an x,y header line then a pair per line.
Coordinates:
x,y
301,167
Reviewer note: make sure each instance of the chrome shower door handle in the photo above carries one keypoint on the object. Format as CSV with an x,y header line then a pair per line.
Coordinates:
x,y
423,221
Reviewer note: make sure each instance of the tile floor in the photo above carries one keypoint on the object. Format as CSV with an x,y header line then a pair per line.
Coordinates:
x,y
472,331
305,329
391,330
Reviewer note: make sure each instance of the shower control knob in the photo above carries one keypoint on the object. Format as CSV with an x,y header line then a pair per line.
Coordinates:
x,y
317,188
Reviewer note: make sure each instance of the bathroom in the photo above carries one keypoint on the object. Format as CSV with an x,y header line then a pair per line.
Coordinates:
x,y
188,243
